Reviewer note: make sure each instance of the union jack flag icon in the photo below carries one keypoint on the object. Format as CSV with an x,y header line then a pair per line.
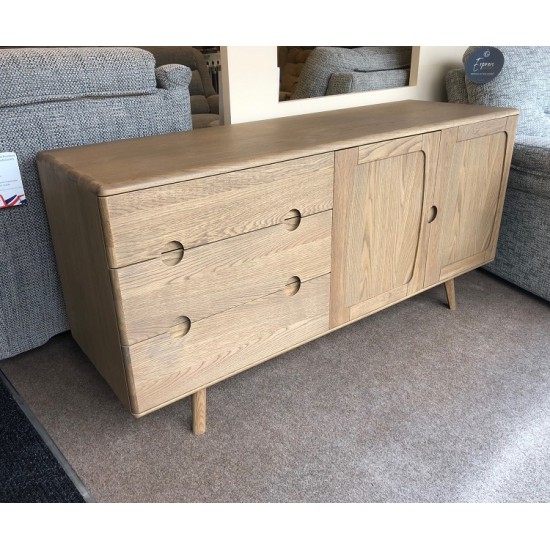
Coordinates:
x,y
15,200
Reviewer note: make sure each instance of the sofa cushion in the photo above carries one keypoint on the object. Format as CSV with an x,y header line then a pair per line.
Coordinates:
x,y
35,75
523,83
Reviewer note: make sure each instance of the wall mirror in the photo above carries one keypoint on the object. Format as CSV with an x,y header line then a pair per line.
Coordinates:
x,y
316,71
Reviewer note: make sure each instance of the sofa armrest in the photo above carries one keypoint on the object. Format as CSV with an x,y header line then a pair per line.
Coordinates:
x,y
173,76
359,81
456,86
531,165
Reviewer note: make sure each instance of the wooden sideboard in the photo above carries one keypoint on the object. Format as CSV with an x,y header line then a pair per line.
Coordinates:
x,y
186,258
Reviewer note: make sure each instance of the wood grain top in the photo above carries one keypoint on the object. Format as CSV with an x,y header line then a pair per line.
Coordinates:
x,y
129,165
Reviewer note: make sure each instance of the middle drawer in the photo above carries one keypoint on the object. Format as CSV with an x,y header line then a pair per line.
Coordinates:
x,y
151,296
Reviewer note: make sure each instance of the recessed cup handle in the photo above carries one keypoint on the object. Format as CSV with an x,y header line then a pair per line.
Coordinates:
x,y
292,220
432,214
292,286
180,327
172,253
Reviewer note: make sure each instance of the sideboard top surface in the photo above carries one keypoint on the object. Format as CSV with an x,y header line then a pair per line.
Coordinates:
x,y
129,165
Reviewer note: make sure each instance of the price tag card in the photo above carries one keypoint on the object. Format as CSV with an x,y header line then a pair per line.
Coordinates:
x,y
11,185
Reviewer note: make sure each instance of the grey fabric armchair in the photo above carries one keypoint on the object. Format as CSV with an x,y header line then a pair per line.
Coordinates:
x,y
205,102
523,252
61,97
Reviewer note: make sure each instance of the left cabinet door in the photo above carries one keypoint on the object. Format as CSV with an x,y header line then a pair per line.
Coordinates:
x,y
382,199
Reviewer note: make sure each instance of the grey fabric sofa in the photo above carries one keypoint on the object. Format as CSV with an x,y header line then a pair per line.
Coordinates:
x,y
331,70
523,253
61,97
205,102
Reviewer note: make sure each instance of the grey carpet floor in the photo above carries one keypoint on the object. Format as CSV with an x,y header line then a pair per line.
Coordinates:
x,y
413,404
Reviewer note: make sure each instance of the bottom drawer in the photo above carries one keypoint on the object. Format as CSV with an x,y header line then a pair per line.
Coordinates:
x,y
170,366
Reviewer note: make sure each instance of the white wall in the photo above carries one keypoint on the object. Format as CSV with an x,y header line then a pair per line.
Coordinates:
x,y
251,84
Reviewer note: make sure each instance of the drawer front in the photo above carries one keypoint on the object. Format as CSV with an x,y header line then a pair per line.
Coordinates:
x,y
141,225
207,280
167,367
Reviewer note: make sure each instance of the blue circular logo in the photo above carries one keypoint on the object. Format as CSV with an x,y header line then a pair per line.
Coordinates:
x,y
483,64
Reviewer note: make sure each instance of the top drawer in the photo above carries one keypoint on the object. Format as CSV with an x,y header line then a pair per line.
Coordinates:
x,y
141,225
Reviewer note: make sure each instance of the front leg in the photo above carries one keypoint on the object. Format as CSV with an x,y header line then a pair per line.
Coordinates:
x,y
450,290
199,412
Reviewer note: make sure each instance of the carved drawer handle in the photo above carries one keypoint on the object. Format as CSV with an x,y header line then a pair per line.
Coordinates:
x,y
292,220
181,327
432,215
292,286
172,253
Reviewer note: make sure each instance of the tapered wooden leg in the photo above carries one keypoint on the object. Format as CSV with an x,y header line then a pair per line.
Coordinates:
x,y
450,290
199,412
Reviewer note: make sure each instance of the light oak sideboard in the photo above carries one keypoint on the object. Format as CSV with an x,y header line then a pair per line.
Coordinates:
x,y
186,258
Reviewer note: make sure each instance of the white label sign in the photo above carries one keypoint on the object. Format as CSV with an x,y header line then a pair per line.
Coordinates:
x,y
11,186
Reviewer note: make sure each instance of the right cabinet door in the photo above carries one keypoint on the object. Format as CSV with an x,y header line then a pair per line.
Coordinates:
x,y
472,172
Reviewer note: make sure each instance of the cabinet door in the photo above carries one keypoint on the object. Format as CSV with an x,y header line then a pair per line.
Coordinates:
x,y
472,174
382,199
